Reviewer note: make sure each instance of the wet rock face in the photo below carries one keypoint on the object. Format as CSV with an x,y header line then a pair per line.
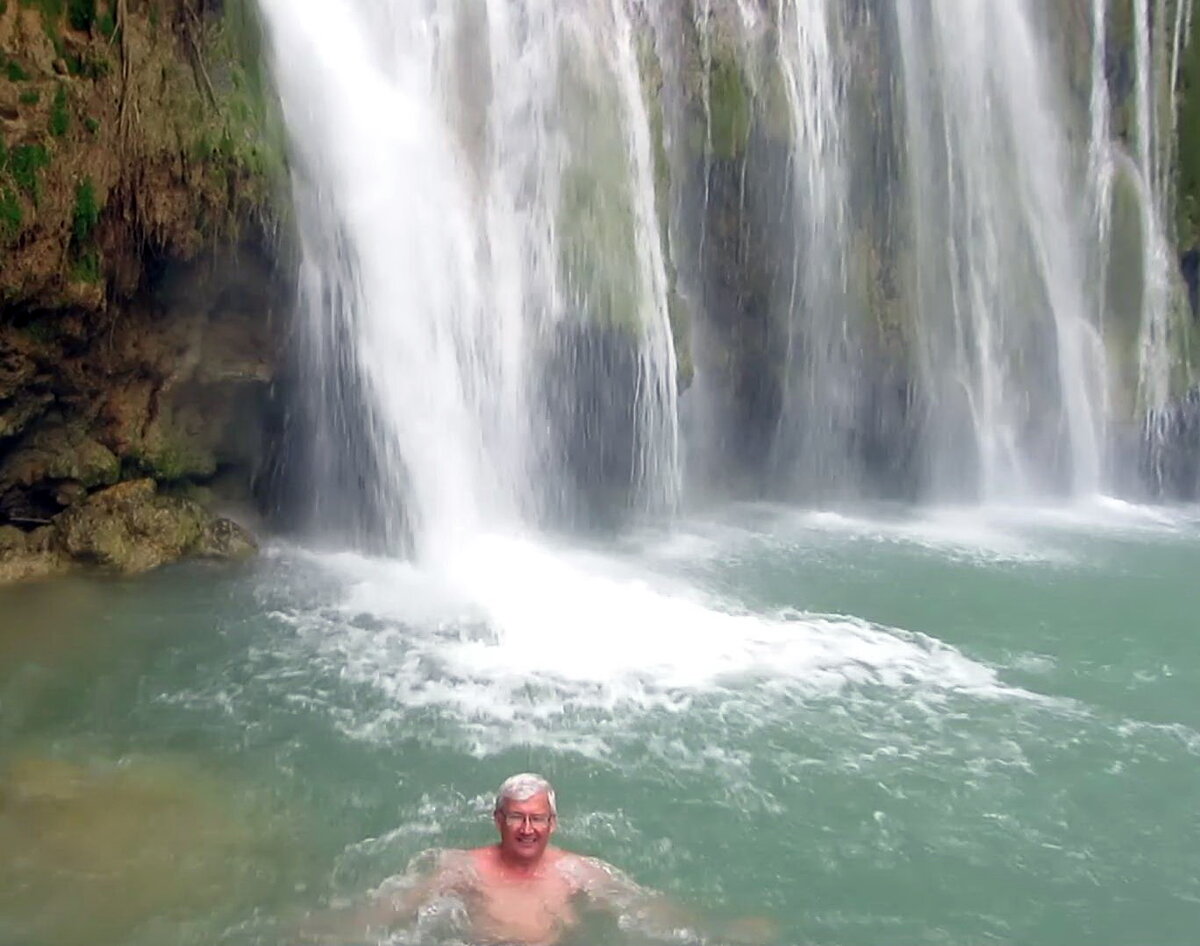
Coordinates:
x,y
29,555
128,528
139,157
173,390
131,528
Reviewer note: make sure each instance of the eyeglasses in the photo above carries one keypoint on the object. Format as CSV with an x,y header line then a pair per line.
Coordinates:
x,y
514,820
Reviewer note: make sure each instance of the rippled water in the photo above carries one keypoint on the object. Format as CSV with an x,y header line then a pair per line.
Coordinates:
x,y
953,726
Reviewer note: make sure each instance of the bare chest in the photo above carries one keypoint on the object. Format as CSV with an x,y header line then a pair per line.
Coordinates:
x,y
534,912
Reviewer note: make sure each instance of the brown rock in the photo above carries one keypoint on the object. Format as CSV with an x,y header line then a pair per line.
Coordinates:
x,y
69,493
16,415
28,556
131,528
58,451
225,539
12,539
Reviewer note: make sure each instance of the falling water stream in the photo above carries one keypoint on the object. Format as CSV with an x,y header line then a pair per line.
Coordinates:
x,y
477,212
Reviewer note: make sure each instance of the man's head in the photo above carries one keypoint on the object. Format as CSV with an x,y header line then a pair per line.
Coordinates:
x,y
526,816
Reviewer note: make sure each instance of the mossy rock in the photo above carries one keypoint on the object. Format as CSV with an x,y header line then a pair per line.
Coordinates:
x,y
26,556
729,107
60,451
131,528
168,461
1188,196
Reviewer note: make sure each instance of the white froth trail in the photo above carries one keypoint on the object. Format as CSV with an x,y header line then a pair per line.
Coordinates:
x,y
512,629
990,533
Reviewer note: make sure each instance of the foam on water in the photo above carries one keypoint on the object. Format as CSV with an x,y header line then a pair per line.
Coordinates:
x,y
520,641
993,533
513,640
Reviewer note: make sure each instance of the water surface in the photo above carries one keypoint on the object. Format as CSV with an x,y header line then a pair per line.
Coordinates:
x,y
952,726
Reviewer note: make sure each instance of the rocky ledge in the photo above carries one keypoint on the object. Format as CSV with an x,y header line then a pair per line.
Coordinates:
x,y
140,283
128,529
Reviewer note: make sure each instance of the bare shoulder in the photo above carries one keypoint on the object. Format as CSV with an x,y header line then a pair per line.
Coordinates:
x,y
594,877
453,869
479,861
579,865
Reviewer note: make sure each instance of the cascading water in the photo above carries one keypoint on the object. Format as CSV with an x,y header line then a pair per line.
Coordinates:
x,y
1158,41
908,234
935,290
482,266
1011,355
824,363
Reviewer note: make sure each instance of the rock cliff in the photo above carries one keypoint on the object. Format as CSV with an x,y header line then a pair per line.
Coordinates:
x,y
139,161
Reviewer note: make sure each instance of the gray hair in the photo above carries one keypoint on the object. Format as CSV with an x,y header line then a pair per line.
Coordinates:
x,y
524,786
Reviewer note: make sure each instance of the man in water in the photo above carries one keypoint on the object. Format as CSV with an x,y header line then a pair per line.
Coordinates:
x,y
523,890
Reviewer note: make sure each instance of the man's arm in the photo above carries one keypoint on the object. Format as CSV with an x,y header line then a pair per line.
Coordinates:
x,y
609,889
397,900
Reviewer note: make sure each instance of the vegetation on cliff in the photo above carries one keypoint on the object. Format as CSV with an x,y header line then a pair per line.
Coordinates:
x,y
132,131
141,159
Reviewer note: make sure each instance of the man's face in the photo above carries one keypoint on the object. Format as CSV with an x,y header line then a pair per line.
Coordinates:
x,y
525,827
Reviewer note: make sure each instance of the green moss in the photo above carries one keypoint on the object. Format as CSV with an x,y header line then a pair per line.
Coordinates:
x,y
11,215
240,145
596,231
87,212
680,319
50,8
91,124
88,268
24,163
1188,201
775,110
60,117
52,13
30,97
88,66
169,462
15,73
728,108
43,330
81,14
107,25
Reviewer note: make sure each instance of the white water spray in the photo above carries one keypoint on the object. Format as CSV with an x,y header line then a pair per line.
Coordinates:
x,y
1011,345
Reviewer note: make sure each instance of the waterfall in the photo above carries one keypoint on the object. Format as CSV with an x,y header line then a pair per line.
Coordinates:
x,y
1159,40
935,263
823,369
1011,354
915,248
483,277
1155,355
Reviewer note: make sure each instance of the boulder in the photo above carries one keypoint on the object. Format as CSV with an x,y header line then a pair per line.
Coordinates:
x,y
25,556
55,450
132,528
